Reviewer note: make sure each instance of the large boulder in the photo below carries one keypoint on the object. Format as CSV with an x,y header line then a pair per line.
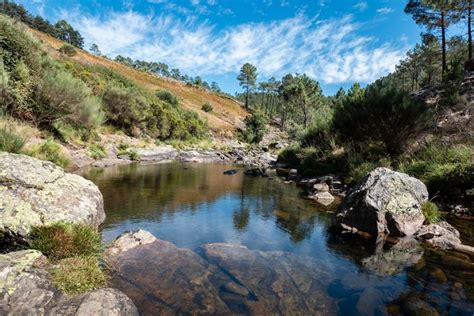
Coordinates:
x,y
25,289
35,192
385,201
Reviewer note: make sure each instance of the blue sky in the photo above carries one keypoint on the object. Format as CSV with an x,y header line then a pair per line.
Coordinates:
x,y
337,42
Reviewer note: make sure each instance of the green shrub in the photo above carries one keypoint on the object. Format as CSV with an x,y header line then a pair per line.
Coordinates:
x,y
65,240
78,275
133,155
50,151
68,50
207,107
431,212
62,97
96,151
10,142
167,96
383,114
255,127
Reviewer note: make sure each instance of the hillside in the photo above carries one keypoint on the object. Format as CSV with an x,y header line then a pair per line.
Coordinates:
x,y
227,113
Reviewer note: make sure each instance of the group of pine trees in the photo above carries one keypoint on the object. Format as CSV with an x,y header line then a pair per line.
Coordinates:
x,y
163,70
438,60
61,30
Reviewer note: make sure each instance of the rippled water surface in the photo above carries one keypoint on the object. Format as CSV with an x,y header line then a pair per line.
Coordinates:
x,y
195,204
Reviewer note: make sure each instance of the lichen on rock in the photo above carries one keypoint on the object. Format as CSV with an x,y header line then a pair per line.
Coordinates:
x,y
35,192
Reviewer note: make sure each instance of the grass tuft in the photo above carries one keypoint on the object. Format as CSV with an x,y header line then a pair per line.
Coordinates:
x,y
431,212
65,240
78,275
10,142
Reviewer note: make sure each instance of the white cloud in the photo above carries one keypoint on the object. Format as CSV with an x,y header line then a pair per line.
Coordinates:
x,y
385,10
362,5
330,51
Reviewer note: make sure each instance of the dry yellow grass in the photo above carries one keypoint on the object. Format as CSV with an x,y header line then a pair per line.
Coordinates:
x,y
226,115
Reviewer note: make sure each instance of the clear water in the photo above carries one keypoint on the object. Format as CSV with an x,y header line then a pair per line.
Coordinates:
x,y
195,204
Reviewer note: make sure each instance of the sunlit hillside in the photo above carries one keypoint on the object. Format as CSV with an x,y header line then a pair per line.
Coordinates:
x,y
226,115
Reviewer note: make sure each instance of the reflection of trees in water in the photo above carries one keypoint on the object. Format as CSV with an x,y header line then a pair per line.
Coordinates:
x,y
151,191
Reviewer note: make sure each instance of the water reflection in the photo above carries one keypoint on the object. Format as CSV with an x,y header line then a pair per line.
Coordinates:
x,y
196,204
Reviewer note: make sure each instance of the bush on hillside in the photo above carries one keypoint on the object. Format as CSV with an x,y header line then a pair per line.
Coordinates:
x,y
384,116
68,49
255,127
207,107
167,96
61,97
10,142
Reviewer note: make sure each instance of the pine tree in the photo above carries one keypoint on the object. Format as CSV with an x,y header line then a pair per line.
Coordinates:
x,y
435,15
248,79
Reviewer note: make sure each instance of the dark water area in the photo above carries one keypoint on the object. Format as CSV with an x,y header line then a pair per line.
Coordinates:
x,y
191,205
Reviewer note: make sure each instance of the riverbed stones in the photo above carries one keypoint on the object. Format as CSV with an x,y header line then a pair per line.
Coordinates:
x,y
441,235
385,201
216,279
35,192
26,289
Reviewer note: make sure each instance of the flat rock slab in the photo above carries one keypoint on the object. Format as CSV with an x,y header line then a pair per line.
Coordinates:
x,y
26,289
217,279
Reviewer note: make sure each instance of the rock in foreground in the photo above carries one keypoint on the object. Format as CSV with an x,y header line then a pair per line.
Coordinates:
x,y
222,279
385,201
25,289
35,192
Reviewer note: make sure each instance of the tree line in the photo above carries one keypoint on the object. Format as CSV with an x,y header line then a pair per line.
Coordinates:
x,y
61,30
438,60
163,70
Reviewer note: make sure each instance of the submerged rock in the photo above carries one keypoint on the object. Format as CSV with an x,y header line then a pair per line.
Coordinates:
x,y
324,198
25,289
225,279
385,201
35,192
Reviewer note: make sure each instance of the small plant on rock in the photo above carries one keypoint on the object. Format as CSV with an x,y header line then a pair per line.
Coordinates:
x,y
65,240
78,275
431,212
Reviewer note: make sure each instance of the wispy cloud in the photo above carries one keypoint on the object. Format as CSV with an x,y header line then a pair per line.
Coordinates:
x,y
330,51
362,5
385,10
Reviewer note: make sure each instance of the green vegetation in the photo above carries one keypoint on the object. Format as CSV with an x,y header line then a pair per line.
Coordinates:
x,y
446,169
10,142
166,96
72,101
431,212
255,127
96,151
73,250
78,275
207,107
68,50
61,30
65,240
50,151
